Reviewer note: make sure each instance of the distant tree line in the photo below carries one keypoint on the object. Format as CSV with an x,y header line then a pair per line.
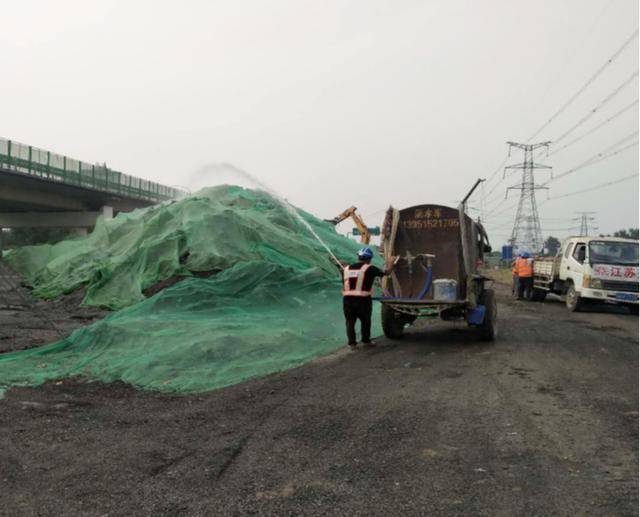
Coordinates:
x,y
551,246
631,233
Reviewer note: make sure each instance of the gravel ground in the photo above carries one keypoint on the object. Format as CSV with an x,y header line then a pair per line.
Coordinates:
x,y
26,322
544,421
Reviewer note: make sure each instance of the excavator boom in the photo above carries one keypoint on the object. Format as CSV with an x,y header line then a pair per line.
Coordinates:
x,y
365,236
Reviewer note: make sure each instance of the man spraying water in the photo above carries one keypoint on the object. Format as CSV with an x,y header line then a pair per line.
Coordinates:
x,y
357,289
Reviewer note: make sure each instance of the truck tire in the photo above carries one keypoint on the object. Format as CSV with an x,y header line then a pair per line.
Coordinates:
x,y
392,322
572,299
538,295
489,326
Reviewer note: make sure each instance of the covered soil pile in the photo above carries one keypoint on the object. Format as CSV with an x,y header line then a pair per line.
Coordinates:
x,y
274,302
212,230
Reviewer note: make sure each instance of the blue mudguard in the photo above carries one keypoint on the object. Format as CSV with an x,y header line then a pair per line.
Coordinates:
x,y
476,316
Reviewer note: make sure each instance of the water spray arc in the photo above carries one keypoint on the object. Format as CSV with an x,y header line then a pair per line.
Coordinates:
x,y
230,169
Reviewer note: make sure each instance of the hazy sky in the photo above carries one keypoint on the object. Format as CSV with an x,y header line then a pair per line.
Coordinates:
x,y
331,103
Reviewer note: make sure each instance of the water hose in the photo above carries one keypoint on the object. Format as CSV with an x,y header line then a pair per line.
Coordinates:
x,y
427,283
425,287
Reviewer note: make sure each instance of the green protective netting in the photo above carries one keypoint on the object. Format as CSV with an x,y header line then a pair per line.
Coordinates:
x,y
213,230
274,304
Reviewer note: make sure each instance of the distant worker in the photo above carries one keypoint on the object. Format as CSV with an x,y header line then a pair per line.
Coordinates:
x,y
524,265
357,280
514,276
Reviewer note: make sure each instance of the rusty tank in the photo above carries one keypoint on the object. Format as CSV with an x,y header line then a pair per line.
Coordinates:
x,y
439,251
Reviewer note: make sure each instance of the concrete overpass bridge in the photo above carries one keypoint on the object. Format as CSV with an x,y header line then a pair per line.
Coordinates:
x,y
40,188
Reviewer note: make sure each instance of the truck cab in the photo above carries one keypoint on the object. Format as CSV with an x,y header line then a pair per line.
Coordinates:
x,y
603,269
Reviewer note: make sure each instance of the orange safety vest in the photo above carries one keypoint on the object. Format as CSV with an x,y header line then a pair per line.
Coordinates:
x,y
524,267
358,290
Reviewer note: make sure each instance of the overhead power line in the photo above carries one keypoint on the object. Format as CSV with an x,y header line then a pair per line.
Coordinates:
x,y
589,114
495,187
604,155
591,79
509,222
504,220
591,189
502,211
577,44
595,109
595,128
490,177
598,106
497,170
596,158
615,55
601,156
577,192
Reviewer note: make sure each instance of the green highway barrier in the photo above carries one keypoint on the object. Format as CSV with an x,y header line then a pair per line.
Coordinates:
x,y
32,161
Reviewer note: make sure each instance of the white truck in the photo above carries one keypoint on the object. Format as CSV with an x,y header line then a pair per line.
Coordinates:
x,y
602,269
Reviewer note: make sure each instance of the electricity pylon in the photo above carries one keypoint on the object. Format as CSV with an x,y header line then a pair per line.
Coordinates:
x,y
527,234
585,218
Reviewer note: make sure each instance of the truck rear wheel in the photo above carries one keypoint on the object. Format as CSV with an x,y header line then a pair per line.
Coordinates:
x,y
538,295
572,299
489,326
392,322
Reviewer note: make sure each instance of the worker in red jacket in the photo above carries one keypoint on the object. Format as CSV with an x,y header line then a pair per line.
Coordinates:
x,y
357,288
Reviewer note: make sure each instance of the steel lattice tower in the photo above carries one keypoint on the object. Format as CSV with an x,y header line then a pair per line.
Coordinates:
x,y
585,218
527,234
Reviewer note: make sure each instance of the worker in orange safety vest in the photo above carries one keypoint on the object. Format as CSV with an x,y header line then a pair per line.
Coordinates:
x,y
524,265
514,276
357,288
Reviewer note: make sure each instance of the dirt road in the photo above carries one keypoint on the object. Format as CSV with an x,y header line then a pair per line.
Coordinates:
x,y
26,322
542,422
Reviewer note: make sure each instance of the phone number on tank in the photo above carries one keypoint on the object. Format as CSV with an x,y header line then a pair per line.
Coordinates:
x,y
430,224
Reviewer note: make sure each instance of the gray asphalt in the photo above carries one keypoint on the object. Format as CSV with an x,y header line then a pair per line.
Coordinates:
x,y
544,421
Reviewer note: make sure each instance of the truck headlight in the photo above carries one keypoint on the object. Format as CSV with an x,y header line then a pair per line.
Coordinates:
x,y
596,283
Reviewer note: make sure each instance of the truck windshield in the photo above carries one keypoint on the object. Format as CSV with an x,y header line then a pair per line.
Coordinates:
x,y
609,252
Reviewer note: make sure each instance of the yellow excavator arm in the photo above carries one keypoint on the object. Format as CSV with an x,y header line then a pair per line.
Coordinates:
x,y
365,236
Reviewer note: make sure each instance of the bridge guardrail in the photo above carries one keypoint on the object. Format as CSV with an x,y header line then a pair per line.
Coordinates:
x,y
26,159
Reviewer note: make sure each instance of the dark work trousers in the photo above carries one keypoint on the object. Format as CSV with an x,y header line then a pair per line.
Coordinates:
x,y
357,308
525,286
514,287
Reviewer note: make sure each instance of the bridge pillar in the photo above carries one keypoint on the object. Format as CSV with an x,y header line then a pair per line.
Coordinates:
x,y
79,223
48,219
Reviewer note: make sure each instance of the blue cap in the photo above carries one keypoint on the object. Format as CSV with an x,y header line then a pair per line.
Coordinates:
x,y
526,255
365,253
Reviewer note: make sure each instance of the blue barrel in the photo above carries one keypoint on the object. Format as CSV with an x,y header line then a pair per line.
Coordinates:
x,y
507,252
